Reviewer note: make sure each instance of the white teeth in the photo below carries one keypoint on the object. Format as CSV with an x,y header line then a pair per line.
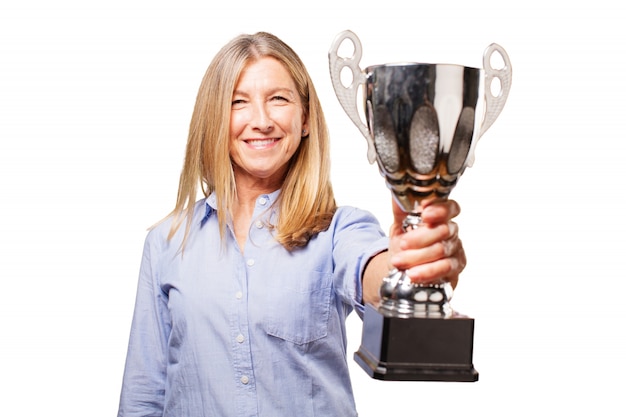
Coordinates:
x,y
260,142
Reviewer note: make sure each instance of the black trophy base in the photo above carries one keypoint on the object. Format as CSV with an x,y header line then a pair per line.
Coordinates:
x,y
417,349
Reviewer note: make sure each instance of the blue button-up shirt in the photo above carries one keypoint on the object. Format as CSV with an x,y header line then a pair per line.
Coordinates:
x,y
218,332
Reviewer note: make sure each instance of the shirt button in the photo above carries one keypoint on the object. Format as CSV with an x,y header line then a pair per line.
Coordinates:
x,y
239,295
239,338
259,224
250,262
262,201
244,380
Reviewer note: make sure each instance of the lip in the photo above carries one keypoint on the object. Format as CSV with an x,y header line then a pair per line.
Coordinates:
x,y
261,143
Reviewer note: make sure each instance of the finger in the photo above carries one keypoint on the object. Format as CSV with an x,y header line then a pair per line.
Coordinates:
x,y
439,250
427,235
447,269
440,212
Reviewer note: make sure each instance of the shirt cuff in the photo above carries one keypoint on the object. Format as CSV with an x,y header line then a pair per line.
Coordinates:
x,y
379,246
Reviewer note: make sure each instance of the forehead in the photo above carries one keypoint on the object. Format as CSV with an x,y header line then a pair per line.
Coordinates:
x,y
265,71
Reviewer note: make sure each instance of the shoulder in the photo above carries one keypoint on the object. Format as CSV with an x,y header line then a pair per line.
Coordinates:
x,y
158,237
348,215
351,224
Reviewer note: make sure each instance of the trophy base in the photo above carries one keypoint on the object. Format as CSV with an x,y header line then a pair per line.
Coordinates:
x,y
416,348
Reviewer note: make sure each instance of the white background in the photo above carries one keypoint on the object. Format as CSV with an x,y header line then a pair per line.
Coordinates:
x,y
95,101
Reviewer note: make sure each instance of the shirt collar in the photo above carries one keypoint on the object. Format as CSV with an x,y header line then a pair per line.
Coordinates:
x,y
210,204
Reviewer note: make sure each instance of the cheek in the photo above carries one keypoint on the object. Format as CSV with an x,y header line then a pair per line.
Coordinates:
x,y
296,124
235,131
236,124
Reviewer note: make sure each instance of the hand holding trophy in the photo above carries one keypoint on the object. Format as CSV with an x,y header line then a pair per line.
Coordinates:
x,y
423,123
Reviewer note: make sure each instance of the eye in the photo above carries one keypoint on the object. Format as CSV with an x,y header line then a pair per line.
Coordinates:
x,y
237,103
279,99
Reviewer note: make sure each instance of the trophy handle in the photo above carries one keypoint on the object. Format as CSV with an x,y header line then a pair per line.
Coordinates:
x,y
347,95
494,104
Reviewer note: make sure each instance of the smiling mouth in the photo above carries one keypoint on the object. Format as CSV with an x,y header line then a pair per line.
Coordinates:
x,y
261,143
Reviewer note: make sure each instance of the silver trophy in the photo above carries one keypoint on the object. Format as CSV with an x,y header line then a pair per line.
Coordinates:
x,y
422,123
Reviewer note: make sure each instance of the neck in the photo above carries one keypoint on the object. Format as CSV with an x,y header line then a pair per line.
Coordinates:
x,y
247,194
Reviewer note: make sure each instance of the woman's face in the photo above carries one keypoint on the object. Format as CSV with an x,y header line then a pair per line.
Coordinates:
x,y
266,122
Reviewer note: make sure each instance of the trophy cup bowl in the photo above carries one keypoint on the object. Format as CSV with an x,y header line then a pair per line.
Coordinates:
x,y
422,125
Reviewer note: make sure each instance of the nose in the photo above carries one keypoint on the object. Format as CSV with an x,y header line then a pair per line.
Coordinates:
x,y
261,119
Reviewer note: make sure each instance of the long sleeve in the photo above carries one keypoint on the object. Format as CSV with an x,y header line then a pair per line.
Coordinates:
x,y
143,387
357,238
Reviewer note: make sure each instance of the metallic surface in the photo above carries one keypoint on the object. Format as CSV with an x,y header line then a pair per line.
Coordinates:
x,y
422,125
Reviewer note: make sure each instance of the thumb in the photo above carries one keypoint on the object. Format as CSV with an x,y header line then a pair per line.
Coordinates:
x,y
398,213
398,218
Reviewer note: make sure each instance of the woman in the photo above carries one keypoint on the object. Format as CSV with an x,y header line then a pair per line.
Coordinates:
x,y
243,295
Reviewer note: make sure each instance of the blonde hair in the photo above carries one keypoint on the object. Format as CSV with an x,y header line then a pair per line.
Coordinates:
x,y
306,203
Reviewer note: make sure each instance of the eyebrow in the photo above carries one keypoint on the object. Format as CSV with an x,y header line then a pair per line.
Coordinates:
x,y
272,91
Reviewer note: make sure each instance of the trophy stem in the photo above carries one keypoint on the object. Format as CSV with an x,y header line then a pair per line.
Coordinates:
x,y
411,221
400,297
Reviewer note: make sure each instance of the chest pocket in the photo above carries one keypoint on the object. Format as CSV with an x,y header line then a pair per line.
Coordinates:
x,y
299,313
